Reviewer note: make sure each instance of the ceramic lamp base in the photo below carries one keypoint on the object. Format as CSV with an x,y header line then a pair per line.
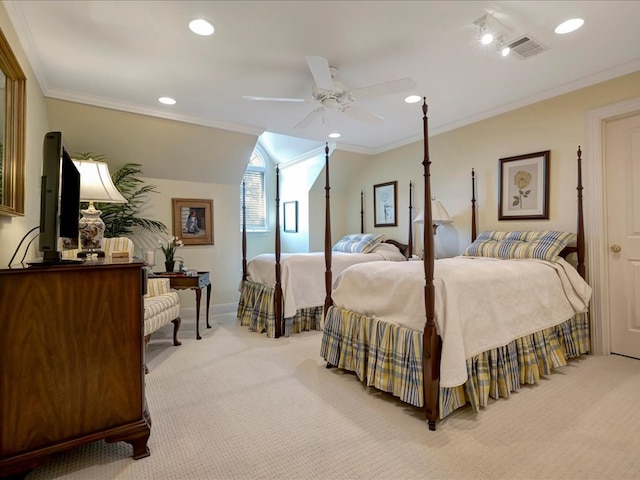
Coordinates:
x,y
91,229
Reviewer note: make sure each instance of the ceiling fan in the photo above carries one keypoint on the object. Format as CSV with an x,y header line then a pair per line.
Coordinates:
x,y
331,94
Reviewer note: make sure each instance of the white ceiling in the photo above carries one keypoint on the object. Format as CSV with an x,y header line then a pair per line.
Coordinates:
x,y
126,54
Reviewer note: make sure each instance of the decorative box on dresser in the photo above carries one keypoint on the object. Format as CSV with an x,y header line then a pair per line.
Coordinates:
x,y
71,360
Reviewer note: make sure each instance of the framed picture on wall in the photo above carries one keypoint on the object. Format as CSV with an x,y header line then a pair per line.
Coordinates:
x,y
193,220
385,200
290,210
523,187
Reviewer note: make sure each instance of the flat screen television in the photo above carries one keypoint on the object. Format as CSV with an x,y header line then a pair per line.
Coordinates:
x,y
59,200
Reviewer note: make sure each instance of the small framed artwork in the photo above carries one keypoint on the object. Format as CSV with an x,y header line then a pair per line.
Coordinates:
x,y
193,220
290,216
523,187
385,200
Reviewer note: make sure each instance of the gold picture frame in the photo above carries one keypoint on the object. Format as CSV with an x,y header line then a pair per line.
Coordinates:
x,y
193,220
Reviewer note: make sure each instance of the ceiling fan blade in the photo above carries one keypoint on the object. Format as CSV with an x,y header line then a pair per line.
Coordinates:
x,y
273,99
382,89
319,67
306,121
363,115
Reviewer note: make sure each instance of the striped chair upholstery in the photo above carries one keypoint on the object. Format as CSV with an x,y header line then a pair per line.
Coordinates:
x,y
161,306
110,245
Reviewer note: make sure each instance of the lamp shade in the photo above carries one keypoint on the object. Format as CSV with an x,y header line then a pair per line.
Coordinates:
x,y
439,214
96,184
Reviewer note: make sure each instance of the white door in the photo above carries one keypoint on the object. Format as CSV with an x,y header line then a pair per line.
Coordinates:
x,y
622,173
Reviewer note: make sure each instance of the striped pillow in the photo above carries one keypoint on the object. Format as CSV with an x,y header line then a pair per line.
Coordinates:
x,y
545,245
358,243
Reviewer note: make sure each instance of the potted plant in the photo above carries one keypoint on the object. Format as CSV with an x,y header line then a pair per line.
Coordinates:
x,y
169,251
120,219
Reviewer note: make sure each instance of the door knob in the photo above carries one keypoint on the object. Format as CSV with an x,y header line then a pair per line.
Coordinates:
x,y
615,248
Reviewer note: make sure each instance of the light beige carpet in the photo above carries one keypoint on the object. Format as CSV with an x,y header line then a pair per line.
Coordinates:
x,y
238,405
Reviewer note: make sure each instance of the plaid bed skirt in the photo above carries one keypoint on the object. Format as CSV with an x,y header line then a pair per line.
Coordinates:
x,y
389,357
255,310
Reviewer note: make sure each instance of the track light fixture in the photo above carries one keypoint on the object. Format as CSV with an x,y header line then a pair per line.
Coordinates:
x,y
491,30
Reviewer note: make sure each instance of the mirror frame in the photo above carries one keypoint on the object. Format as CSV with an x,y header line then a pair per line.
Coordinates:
x,y
13,167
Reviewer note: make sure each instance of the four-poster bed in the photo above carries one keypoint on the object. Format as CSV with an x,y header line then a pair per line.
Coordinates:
x,y
443,334
285,293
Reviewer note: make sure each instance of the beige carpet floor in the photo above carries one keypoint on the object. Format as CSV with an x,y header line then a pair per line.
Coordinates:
x,y
238,405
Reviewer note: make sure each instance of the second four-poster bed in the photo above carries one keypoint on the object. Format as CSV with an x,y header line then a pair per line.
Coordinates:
x,y
281,294
437,334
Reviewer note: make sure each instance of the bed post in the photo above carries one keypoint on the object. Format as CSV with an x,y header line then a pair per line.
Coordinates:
x,y
430,339
580,240
410,248
244,233
361,211
328,301
474,232
277,295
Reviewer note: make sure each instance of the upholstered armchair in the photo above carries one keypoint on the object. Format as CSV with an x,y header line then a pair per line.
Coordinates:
x,y
161,306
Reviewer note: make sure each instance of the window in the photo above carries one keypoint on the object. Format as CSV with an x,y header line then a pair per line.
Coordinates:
x,y
255,194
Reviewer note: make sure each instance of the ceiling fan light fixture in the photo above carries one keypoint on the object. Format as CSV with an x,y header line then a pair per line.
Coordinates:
x,y
330,102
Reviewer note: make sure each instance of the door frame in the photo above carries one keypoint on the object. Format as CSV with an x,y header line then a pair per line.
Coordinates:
x,y
595,227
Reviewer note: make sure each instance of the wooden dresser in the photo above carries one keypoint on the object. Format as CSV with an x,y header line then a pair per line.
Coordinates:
x,y
71,361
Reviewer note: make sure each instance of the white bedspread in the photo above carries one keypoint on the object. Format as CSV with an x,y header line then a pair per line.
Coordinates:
x,y
480,303
302,274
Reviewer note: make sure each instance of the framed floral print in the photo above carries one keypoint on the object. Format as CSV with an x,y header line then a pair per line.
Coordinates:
x,y
523,187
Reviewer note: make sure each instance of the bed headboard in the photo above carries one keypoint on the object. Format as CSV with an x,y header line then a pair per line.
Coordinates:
x,y
403,247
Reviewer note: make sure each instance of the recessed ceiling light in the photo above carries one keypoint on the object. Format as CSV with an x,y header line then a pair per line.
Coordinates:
x,y
569,26
412,99
167,100
334,135
201,27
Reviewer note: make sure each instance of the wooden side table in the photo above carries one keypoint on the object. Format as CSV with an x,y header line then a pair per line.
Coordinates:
x,y
183,282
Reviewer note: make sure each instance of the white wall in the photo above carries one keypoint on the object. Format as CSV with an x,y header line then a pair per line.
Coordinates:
x,y
557,124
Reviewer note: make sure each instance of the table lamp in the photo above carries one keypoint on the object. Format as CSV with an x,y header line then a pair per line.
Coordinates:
x,y
95,186
439,215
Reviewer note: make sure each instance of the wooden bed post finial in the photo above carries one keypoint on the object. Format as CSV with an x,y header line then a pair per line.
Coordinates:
x,y
580,237
474,231
277,294
328,278
244,232
361,211
410,248
430,340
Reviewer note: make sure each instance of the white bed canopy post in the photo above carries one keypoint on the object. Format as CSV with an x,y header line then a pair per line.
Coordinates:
x,y
430,339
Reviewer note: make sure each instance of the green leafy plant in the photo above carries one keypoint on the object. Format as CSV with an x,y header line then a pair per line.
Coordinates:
x,y
121,219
